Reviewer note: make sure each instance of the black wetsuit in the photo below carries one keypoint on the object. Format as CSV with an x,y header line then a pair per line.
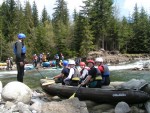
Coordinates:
x,y
19,58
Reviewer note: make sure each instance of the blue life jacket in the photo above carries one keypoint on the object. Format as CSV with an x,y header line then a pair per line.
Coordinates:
x,y
23,50
106,71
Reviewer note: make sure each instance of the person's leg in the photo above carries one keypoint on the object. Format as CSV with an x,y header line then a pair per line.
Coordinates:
x,y
99,84
21,73
74,83
18,72
107,80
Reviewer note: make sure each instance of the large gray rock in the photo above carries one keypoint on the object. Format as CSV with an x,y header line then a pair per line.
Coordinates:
x,y
147,106
90,104
37,106
135,109
1,86
132,84
23,108
122,107
66,106
16,92
101,108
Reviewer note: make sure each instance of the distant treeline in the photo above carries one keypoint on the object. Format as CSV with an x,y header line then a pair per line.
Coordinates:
x,y
96,26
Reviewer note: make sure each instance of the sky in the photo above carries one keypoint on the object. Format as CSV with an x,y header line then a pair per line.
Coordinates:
x,y
125,7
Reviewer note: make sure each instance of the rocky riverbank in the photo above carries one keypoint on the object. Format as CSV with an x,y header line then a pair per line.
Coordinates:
x,y
16,97
114,57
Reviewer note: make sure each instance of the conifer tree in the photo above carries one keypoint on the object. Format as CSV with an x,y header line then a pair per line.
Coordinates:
x,y
61,25
35,14
9,20
30,31
87,39
45,16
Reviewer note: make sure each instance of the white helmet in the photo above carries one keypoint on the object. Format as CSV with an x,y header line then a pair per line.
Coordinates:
x,y
71,62
99,59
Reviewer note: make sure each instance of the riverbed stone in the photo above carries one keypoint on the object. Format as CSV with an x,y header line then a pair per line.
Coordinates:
x,y
146,89
9,105
16,92
37,106
122,107
23,108
102,108
1,86
134,109
132,84
147,106
90,104
66,106
56,98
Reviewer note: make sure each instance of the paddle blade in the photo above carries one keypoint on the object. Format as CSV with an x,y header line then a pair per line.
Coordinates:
x,y
72,96
48,83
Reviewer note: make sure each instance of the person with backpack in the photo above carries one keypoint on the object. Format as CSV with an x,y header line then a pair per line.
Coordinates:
x,y
35,60
64,73
74,74
93,79
103,68
83,72
20,51
57,60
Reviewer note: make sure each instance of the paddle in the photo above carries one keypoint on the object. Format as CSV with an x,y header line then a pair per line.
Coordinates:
x,y
75,92
48,83
39,72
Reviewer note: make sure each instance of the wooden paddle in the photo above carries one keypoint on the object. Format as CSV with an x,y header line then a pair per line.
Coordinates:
x,y
75,92
48,83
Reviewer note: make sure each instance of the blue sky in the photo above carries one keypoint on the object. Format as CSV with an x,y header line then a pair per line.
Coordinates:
x,y
125,6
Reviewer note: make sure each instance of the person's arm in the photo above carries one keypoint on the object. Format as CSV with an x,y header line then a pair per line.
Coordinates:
x,y
85,72
70,74
87,79
58,76
18,51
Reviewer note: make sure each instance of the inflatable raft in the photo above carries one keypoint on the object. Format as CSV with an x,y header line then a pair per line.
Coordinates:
x,y
96,94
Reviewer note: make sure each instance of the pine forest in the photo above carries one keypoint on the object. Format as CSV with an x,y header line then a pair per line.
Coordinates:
x,y
96,26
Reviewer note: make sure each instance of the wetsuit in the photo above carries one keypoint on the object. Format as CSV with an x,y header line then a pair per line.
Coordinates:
x,y
105,74
94,83
65,72
20,56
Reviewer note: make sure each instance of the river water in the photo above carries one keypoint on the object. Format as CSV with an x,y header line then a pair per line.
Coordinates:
x,y
122,72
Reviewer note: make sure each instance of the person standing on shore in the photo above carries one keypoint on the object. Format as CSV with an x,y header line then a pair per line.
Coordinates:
x,y
20,51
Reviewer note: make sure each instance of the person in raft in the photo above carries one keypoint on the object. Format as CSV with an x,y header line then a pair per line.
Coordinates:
x,y
64,73
74,74
93,80
83,72
104,71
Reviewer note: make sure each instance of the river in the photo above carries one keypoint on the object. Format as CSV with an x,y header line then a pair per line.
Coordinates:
x,y
122,72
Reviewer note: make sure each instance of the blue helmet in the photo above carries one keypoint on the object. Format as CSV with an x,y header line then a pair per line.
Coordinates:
x,y
65,63
21,36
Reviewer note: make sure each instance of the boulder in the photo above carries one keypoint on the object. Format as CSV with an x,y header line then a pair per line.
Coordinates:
x,y
66,106
90,104
1,86
37,106
122,107
147,106
102,107
133,84
16,92
135,109
23,108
